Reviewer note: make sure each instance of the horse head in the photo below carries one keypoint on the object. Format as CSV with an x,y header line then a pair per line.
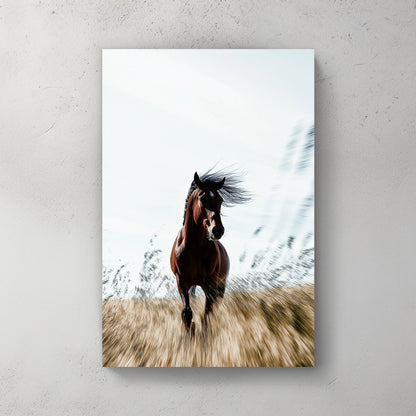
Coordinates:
x,y
207,207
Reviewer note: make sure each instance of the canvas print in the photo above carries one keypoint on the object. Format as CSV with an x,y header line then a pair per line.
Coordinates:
x,y
208,208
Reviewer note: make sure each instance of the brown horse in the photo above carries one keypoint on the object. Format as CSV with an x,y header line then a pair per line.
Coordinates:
x,y
198,258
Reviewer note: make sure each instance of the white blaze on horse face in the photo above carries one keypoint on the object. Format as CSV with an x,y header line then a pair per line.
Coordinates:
x,y
211,194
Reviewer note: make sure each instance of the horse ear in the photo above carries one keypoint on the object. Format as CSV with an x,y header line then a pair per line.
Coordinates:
x,y
219,184
197,181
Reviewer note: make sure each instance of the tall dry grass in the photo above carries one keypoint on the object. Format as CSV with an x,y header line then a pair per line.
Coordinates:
x,y
270,328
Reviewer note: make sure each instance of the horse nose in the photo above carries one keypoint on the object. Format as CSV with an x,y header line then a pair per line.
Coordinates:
x,y
218,231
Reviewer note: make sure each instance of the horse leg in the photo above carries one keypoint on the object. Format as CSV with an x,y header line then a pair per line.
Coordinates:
x,y
212,295
209,302
187,311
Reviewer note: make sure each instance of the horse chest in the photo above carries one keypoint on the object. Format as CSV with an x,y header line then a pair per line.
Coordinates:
x,y
198,264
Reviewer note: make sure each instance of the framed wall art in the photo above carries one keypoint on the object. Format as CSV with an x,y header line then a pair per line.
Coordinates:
x,y
208,208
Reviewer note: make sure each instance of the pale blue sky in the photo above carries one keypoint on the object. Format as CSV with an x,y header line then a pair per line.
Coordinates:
x,y
168,113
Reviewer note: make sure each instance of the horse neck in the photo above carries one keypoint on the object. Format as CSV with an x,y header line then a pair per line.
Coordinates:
x,y
194,233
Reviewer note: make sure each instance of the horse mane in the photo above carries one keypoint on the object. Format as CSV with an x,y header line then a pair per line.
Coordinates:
x,y
231,192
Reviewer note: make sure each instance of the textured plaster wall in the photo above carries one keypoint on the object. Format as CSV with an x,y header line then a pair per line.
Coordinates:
x,y
50,205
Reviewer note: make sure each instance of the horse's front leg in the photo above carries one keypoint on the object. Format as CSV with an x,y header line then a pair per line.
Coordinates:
x,y
187,311
212,294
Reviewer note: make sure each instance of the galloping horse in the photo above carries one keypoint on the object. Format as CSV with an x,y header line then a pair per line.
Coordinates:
x,y
198,258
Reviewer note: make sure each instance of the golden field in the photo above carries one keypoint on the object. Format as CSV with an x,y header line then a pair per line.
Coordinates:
x,y
270,328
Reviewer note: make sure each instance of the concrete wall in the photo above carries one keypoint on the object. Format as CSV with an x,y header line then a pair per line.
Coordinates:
x,y
50,190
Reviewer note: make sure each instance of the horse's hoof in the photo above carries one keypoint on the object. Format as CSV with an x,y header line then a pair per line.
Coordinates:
x,y
189,329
